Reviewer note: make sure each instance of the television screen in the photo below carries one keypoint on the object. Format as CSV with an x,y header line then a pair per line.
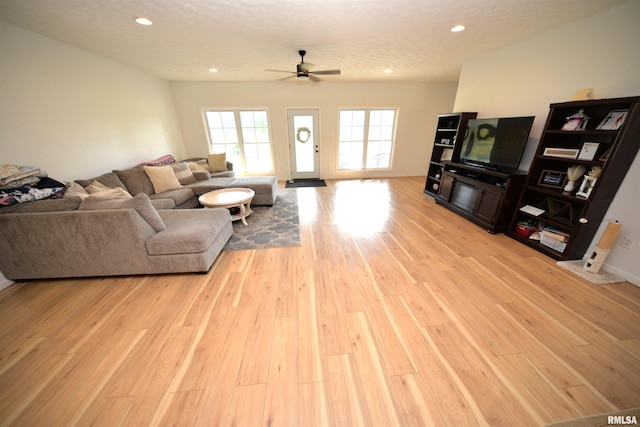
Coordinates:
x,y
497,143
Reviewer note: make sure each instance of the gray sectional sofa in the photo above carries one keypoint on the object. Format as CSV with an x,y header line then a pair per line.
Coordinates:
x,y
149,233
65,238
136,181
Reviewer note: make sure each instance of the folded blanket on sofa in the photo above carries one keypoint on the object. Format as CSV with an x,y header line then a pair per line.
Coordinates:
x,y
10,173
46,187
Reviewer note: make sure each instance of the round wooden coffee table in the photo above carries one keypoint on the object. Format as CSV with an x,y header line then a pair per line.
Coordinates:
x,y
230,198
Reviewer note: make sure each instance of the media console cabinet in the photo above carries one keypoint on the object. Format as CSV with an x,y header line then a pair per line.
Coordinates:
x,y
483,196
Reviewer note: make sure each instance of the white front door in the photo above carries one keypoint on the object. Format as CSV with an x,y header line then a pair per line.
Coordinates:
x,y
304,144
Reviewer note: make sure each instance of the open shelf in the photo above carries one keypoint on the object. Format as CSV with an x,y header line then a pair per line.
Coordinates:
x,y
578,215
449,128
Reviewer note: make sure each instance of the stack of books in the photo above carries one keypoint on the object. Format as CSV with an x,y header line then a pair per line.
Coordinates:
x,y
554,238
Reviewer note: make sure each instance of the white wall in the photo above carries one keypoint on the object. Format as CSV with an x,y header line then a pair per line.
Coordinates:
x,y
76,115
418,105
600,52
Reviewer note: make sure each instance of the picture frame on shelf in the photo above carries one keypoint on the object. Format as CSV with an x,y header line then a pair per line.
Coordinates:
x,y
614,120
552,179
447,154
586,187
588,151
605,155
564,153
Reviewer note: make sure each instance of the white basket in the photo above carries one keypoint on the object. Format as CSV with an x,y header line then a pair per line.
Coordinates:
x,y
552,243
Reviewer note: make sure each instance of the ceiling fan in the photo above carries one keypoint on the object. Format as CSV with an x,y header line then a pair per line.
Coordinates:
x,y
302,70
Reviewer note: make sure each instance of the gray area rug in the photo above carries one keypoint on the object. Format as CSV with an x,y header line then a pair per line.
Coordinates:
x,y
269,227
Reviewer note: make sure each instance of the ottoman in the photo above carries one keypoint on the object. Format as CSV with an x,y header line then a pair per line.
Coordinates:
x,y
265,187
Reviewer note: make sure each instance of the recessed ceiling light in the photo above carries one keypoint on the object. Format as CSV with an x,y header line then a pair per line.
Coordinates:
x,y
388,71
143,21
457,28
213,70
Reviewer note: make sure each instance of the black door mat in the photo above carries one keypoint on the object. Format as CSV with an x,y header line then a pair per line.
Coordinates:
x,y
296,183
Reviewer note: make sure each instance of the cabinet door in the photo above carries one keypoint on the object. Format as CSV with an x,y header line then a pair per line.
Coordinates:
x,y
488,204
445,186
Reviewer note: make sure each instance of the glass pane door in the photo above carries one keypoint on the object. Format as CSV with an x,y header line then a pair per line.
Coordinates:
x,y
305,144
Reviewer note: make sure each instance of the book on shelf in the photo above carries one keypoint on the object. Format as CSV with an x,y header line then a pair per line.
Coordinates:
x,y
554,233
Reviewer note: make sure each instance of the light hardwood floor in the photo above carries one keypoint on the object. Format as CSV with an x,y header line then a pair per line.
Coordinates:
x,y
393,312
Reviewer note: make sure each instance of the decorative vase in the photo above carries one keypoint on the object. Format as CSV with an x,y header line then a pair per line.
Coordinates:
x,y
570,186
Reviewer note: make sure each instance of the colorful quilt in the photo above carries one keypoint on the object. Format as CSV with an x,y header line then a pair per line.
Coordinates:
x,y
19,184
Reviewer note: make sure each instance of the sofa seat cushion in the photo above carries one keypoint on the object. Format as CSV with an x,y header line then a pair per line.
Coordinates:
x,y
201,187
265,187
188,231
163,204
179,195
223,174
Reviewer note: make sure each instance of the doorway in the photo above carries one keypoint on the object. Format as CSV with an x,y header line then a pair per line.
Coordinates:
x,y
304,144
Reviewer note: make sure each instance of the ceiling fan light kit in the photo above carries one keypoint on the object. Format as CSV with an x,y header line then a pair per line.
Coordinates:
x,y
303,72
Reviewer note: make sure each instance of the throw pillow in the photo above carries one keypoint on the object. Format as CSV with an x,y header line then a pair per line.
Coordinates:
x,y
96,187
140,202
163,178
109,179
200,165
76,190
217,162
112,193
183,173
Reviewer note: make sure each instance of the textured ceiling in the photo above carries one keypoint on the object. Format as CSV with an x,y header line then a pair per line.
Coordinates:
x,y
242,38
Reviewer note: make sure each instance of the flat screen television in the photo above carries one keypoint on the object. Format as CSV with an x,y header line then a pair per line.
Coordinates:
x,y
496,143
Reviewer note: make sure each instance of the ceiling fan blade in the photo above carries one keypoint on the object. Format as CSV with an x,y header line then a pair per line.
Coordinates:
x,y
326,72
280,71
314,78
288,77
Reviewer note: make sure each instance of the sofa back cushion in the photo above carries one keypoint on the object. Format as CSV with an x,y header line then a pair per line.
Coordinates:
x,y
109,180
136,180
140,202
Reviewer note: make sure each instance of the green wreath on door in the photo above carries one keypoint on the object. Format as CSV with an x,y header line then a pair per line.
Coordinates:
x,y
303,134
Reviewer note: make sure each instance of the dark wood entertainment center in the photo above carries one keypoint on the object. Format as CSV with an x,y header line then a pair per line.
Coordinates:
x,y
606,142
481,195
484,196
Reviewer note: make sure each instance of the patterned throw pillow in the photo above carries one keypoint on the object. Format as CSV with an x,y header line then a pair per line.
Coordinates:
x,y
183,173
